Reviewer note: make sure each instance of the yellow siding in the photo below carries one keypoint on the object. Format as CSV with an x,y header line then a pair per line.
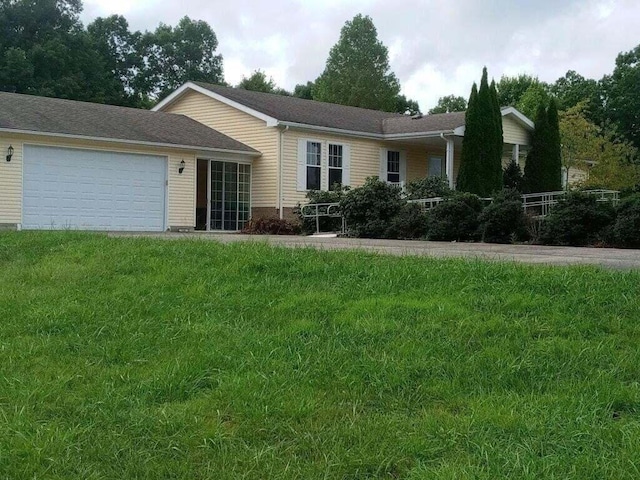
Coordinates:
x,y
365,160
10,182
181,188
182,191
244,128
514,133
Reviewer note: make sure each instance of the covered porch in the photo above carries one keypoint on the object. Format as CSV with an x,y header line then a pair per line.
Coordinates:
x,y
433,155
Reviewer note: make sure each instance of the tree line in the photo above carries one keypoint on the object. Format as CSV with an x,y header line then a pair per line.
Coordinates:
x,y
46,50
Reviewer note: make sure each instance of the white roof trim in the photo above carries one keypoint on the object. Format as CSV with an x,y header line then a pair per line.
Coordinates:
x,y
348,133
270,121
415,135
377,136
128,142
521,117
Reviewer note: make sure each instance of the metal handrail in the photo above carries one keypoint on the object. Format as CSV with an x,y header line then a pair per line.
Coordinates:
x,y
318,210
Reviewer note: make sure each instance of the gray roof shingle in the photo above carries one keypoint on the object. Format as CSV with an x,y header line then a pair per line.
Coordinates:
x,y
429,123
53,115
321,114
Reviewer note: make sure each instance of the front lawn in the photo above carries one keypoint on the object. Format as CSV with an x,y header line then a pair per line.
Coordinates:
x,y
139,358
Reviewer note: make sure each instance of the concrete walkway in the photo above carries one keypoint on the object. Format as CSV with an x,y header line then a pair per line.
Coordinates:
x,y
605,257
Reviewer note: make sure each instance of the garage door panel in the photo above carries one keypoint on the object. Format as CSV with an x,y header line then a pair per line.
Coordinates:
x,y
93,190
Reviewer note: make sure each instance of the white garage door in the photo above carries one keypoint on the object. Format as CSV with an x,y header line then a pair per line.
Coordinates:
x,y
92,190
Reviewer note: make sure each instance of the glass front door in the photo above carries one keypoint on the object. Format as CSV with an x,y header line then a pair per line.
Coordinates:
x,y
229,201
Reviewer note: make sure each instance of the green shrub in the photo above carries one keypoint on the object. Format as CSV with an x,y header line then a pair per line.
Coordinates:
x,y
578,219
428,187
512,176
626,230
409,223
271,226
504,221
327,224
456,218
369,210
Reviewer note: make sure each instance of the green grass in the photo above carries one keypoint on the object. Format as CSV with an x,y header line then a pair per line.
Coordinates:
x,y
138,358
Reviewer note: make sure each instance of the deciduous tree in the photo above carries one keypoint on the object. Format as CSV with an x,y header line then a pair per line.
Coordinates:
x,y
258,82
450,103
622,92
173,56
357,72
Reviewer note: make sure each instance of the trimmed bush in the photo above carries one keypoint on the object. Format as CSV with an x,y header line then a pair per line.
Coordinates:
x,y
456,218
512,176
410,223
369,210
578,220
504,221
428,187
626,230
271,226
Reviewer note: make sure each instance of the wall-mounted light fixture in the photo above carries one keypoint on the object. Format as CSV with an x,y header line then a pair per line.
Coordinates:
x,y
9,153
181,168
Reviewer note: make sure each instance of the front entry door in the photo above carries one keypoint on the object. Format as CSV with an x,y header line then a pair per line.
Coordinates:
x,y
229,195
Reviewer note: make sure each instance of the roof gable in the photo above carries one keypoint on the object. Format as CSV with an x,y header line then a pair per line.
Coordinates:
x,y
277,109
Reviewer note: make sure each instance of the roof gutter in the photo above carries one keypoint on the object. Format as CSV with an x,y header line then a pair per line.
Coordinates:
x,y
129,142
349,133
417,135
377,136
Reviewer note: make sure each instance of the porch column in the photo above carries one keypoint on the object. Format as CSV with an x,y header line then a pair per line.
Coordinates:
x,y
515,154
449,162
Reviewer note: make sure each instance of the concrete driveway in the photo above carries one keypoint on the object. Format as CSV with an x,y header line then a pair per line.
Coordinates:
x,y
605,257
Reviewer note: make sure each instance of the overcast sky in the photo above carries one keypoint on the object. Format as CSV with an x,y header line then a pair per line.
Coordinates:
x,y
436,47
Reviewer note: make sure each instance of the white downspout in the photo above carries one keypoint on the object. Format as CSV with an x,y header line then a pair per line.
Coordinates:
x,y
280,157
449,159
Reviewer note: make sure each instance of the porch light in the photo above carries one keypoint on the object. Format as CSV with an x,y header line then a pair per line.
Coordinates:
x,y
181,168
9,153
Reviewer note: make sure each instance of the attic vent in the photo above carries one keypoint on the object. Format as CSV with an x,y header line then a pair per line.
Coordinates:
x,y
416,117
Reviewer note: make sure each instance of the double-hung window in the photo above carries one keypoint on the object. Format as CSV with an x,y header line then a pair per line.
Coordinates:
x,y
314,165
322,164
393,167
335,165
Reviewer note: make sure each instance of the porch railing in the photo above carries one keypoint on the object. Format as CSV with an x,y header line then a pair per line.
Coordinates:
x,y
539,204
535,204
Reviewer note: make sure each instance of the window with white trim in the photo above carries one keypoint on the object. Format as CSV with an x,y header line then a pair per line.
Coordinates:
x,y
314,165
393,166
436,166
335,165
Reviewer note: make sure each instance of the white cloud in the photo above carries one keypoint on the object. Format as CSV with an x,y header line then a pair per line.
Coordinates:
x,y
437,47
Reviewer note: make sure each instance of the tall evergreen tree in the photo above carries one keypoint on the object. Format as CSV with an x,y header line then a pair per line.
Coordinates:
x,y
481,165
534,176
553,159
469,173
499,139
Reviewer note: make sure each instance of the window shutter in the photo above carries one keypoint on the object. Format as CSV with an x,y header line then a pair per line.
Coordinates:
x,y
346,165
383,164
302,165
403,167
